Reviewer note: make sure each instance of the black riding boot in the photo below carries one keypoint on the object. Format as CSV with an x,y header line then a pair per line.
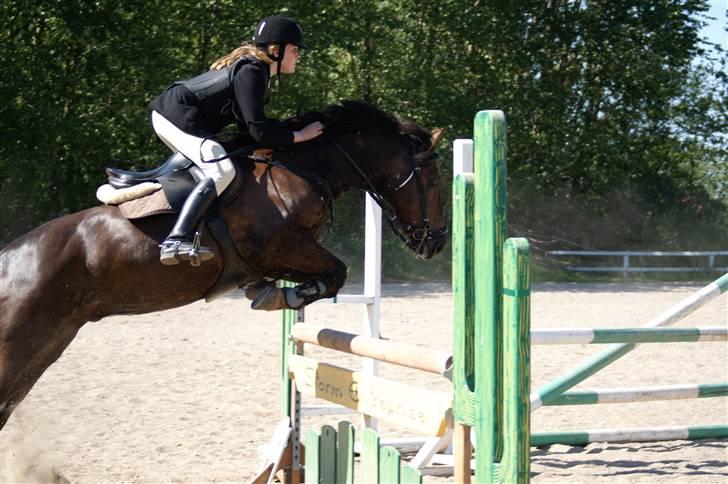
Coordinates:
x,y
179,244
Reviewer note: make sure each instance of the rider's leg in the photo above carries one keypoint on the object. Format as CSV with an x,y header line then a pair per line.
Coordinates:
x,y
218,176
179,244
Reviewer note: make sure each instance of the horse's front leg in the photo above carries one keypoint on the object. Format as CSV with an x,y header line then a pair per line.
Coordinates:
x,y
303,260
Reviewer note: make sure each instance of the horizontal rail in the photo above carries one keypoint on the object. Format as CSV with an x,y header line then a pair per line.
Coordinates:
x,y
646,269
647,394
319,410
637,253
539,439
348,299
628,335
403,354
626,268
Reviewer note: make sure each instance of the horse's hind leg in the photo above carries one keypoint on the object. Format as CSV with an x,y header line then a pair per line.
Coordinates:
x,y
40,313
25,355
300,259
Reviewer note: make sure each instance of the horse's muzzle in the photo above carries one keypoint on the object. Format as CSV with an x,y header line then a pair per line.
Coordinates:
x,y
427,244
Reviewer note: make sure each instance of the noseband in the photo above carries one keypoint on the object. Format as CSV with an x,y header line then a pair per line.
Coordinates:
x,y
413,236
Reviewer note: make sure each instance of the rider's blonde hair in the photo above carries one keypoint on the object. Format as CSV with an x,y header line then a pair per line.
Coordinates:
x,y
245,49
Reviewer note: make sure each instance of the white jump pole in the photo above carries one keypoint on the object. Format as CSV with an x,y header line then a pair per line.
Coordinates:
x,y
372,287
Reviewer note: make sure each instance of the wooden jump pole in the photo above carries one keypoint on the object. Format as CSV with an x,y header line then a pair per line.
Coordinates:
x,y
394,352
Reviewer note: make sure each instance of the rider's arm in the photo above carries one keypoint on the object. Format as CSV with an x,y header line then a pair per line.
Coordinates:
x,y
250,87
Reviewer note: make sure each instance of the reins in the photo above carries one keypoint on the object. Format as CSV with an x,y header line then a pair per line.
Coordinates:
x,y
418,235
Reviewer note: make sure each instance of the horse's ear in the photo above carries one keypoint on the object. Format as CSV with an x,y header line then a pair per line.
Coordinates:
x,y
436,137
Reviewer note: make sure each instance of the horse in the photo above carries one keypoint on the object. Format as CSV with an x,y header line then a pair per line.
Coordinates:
x,y
96,263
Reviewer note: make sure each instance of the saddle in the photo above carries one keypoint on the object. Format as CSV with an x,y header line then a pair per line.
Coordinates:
x,y
164,190
161,190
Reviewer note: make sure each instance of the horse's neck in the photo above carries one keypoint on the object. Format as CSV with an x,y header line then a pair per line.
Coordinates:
x,y
344,175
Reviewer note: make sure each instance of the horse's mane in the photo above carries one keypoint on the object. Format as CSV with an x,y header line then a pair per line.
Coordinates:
x,y
351,116
347,117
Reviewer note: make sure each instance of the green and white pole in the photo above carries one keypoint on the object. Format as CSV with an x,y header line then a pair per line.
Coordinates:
x,y
553,390
646,394
656,434
628,335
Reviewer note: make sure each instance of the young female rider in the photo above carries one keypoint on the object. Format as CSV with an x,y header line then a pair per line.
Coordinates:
x,y
190,113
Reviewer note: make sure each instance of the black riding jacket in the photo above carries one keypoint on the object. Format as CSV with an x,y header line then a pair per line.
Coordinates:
x,y
207,103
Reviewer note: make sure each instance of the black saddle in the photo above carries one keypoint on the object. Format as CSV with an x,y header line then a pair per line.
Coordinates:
x,y
178,176
119,178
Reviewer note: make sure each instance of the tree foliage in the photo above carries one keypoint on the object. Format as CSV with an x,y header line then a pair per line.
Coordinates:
x,y
616,131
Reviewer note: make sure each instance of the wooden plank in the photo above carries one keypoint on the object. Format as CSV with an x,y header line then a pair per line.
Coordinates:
x,y
463,451
389,465
327,448
415,408
369,459
410,475
345,453
313,457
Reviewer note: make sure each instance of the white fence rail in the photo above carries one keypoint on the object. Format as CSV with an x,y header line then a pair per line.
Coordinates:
x,y
626,268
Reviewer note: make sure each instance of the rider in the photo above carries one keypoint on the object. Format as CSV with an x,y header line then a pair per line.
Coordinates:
x,y
189,114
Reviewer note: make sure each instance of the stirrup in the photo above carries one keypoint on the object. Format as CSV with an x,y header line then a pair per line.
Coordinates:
x,y
174,251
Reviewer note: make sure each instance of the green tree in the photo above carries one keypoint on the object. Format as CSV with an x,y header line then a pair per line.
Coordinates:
x,y
616,133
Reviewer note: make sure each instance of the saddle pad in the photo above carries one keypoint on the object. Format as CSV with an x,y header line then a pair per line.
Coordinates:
x,y
152,204
114,196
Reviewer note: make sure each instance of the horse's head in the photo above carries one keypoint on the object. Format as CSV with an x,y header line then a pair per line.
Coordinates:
x,y
413,189
395,161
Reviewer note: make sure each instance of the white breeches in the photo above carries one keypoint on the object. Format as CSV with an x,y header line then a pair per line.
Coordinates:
x,y
193,147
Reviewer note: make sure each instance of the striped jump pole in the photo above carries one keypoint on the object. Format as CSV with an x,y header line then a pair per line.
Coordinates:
x,y
628,335
651,434
647,394
552,390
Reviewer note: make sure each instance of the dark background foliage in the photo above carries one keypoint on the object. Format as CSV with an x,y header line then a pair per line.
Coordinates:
x,y
617,129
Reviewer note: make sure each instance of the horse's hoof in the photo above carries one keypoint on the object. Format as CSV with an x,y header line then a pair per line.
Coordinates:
x,y
254,290
270,298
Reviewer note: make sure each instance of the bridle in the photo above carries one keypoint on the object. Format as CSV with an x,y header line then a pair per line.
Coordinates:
x,y
415,235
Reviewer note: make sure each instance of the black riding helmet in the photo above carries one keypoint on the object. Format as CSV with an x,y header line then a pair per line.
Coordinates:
x,y
281,30
278,29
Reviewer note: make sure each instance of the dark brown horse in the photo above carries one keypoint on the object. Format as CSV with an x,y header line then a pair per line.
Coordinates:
x,y
96,263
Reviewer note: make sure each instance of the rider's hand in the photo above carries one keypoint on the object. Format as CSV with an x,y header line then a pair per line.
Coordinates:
x,y
309,132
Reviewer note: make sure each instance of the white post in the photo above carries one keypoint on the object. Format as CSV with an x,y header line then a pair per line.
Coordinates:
x,y
372,287
462,156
